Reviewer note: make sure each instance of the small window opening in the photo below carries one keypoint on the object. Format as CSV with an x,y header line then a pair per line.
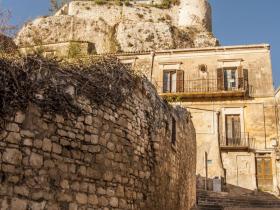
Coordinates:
x,y
173,134
91,49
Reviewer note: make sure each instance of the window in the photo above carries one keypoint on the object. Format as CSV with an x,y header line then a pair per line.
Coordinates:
x,y
233,130
173,81
173,133
230,79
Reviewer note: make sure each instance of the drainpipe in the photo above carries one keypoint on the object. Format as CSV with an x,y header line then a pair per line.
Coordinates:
x,y
276,117
264,123
206,170
219,143
152,65
277,132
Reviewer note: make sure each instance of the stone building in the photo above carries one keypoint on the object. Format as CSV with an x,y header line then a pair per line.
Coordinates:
x,y
229,92
138,155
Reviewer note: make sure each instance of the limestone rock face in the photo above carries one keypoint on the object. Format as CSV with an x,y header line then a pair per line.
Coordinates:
x,y
113,28
195,13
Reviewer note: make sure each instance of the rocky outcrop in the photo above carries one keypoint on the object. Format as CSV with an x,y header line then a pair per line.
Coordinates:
x,y
113,28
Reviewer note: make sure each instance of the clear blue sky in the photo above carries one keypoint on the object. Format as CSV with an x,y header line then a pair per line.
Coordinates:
x,y
234,22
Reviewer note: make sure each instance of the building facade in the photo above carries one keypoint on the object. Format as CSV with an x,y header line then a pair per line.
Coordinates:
x,y
229,92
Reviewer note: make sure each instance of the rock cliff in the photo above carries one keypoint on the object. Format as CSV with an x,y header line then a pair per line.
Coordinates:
x,y
113,28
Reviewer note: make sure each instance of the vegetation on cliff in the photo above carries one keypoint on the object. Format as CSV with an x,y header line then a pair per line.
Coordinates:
x,y
165,4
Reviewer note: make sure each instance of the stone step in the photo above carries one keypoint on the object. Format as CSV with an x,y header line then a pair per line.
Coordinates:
x,y
207,207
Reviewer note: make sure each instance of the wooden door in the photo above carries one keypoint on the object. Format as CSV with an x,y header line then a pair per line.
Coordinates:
x,y
233,130
264,173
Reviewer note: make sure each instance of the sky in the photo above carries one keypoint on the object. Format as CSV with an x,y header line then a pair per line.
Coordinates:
x,y
235,22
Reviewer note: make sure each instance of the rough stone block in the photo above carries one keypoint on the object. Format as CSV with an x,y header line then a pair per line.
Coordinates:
x,y
114,202
81,198
36,160
12,127
103,201
18,204
88,120
19,117
47,145
12,156
13,138
27,133
28,142
93,199
21,190
56,148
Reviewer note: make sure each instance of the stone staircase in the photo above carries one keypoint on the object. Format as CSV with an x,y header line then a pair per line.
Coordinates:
x,y
207,200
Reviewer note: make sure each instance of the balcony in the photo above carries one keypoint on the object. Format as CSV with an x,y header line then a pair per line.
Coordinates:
x,y
202,88
240,141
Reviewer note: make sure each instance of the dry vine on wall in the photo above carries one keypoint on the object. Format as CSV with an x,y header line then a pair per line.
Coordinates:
x,y
54,86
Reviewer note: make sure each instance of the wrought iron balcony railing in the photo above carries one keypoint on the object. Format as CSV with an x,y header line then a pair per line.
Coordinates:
x,y
238,141
201,86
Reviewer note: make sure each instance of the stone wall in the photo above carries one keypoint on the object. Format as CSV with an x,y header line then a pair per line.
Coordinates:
x,y
110,158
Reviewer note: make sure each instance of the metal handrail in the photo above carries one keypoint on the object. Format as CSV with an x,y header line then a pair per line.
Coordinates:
x,y
199,85
239,140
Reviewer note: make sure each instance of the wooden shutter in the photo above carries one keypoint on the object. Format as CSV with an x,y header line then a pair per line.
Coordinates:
x,y
246,79
166,82
240,77
180,81
220,79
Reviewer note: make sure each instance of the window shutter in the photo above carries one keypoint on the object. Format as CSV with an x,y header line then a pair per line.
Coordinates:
x,y
240,77
166,82
246,79
180,81
220,79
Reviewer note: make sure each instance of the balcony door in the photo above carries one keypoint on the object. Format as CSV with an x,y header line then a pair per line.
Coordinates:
x,y
173,81
230,79
233,129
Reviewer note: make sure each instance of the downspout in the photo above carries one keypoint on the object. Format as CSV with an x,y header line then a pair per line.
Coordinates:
x,y
219,143
276,117
277,132
152,65
264,126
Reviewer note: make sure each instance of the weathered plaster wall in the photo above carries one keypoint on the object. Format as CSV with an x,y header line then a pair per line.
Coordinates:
x,y
110,158
240,169
195,12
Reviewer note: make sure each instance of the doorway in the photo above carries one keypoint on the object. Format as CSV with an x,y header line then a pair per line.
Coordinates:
x,y
264,173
